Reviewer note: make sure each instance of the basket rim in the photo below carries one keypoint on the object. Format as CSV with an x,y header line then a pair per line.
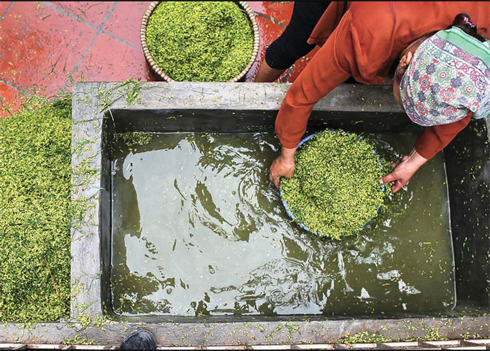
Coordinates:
x,y
242,4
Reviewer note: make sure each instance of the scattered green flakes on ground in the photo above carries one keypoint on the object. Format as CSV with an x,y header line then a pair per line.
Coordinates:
x,y
129,89
35,212
362,338
200,41
432,334
78,340
335,188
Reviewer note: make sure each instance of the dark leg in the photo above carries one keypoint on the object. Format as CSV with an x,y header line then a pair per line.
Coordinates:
x,y
139,339
292,44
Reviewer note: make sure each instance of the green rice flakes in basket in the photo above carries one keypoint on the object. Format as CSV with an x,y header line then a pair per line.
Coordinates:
x,y
200,41
335,188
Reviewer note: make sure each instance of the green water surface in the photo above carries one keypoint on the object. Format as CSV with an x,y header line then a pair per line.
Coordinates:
x,y
199,229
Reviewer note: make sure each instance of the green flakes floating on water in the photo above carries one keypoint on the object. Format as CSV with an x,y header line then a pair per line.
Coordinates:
x,y
200,41
35,212
131,139
335,188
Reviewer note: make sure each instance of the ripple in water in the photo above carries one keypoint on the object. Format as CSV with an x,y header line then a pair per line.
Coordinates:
x,y
199,229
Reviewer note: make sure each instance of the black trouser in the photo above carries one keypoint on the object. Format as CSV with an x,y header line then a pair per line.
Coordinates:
x,y
292,44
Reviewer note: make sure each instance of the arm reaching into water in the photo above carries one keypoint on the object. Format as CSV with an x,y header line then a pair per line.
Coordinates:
x,y
404,170
282,166
323,73
428,144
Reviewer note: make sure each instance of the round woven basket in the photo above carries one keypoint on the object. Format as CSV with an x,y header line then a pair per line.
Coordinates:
x,y
243,5
293,217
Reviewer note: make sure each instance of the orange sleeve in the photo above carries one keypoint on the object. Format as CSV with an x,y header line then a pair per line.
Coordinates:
x,y
328,22
323,73
434,139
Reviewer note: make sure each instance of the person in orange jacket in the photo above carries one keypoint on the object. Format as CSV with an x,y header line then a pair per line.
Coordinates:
x,y
365,41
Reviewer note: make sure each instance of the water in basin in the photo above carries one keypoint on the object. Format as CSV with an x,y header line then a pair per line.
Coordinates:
x,y
198,229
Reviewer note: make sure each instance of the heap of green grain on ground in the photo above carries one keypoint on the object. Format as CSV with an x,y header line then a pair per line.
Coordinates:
x,y
335,188
199,41
35,212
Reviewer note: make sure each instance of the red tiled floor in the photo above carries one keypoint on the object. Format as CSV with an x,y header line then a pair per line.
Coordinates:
x,y
278,11
268,33
41,46
9,98
3,6
125,21
111,60
257,6
91,11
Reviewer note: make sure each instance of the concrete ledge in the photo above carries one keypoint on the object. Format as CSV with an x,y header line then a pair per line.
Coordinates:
x,y
89,99
253,96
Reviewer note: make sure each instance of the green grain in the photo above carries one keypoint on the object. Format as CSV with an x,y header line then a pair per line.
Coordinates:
x,y
335,188
132,139
363,338
200,41
78,340
35,212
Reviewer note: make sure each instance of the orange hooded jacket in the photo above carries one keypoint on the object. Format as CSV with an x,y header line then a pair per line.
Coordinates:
x,y
363,40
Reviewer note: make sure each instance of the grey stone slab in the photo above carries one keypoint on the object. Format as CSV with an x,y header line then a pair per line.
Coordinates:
x,y
449,343
313,347
399,345
478,342
253,96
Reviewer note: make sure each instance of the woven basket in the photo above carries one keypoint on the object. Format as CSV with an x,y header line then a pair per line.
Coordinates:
x,y
293,217
243,5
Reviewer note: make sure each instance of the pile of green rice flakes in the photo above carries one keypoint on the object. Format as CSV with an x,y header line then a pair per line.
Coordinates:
x,y
335,188
35,210
199,41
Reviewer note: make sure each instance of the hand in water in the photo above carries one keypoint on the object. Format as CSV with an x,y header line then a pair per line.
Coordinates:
x,y
283,166
404,170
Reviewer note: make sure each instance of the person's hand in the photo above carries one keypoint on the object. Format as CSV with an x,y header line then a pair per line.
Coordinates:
x,y
404,170
283,166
